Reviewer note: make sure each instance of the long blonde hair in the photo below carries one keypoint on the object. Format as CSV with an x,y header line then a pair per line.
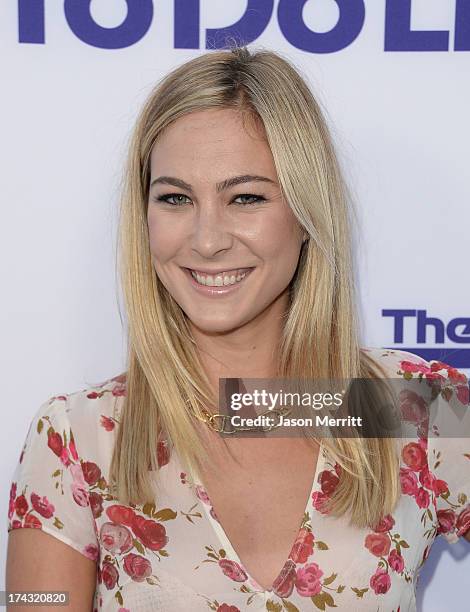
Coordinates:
x,y
165,381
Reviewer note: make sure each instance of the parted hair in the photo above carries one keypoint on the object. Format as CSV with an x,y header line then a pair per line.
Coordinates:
x,y
165,382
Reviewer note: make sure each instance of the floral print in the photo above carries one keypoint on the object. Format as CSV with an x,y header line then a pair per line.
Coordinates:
x,y
174,555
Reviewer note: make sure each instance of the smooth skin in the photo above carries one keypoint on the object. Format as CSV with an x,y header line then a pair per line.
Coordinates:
x,y
246,225
37,561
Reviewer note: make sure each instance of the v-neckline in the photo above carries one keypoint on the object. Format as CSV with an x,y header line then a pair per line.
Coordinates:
x,y
225,541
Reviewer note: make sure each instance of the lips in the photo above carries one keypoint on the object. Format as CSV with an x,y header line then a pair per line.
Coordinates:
x,y
221,278
217,283
216,272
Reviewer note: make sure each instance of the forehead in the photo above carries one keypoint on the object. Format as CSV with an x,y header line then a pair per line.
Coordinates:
x,y
213,139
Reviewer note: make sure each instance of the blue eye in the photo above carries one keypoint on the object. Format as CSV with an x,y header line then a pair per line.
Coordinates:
x,y
250,195
167,196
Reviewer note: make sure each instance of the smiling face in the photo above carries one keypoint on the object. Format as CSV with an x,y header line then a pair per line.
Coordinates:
x,y
225,249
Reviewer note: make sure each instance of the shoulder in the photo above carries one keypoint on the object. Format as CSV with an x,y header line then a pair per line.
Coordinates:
x,y
395,361
408,365
85,417
445,439
82,406
96,404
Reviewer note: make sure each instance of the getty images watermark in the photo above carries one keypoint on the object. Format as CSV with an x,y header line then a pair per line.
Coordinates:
x,y
393,407
271,402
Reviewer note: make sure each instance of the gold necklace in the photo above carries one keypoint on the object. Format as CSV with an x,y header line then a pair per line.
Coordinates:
x,y
218,422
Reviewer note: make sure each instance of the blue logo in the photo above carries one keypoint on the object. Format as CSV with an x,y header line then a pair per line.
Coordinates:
x,y
434,330
398,36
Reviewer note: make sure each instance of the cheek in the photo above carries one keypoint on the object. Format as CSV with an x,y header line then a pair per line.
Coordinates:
x,y
279,239
164,237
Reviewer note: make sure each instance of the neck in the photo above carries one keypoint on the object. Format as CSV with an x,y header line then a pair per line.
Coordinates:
x,y
250,351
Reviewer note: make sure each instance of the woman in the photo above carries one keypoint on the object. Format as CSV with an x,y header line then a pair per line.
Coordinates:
x,y
235,262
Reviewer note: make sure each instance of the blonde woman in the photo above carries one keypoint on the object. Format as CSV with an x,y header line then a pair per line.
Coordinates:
x,y
235,262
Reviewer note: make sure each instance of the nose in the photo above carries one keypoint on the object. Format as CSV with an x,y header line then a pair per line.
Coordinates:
x,y
211,233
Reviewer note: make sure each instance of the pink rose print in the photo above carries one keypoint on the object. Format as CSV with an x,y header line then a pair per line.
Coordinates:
x,y
284,583
73,450
414,455
150,533
96,503
119,390
32,521
439,486
94,395
328,482
21,505
42,505
408,481
396,561
121,515
453,374
307,581
463,521
202,495
463,394
226,608
422,498
106,423
413,407
303,547
319,499
163,453
120,381
11,505
385,524
429,481
426,478
232,570
91,551
412,367
79,486
377,543
380,582
446,520
91,472
109,575
421,368
54,442
137,567
116,538
65,457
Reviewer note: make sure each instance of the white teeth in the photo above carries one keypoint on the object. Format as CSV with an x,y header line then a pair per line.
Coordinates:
x,y
219,280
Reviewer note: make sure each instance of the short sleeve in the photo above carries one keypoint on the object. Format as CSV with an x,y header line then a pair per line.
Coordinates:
x,y
449,454
48,490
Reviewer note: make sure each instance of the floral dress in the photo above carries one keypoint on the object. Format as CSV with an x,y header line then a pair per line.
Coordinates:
x,y
173,555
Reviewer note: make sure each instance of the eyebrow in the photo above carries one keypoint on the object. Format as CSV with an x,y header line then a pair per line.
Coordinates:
x,y
223,185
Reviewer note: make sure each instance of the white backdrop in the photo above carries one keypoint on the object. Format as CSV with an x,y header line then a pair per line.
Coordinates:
x,y
398,106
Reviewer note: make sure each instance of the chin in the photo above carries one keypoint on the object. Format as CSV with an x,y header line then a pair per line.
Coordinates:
x,y
211,325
